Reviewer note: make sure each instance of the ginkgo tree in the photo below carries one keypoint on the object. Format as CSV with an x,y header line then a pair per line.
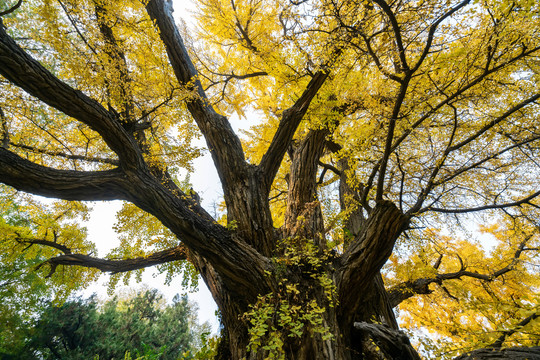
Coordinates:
x,y
383,133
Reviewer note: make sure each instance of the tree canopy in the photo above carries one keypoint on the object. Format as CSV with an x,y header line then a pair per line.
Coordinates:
x,y
388,162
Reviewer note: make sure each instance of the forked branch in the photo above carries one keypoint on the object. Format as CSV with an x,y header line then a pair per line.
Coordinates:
x,y
290,121
408,289
115,266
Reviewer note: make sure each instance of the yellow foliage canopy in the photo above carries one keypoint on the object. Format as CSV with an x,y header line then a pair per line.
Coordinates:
x,y
429,105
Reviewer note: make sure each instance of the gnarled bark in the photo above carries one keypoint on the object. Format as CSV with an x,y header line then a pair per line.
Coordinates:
x,y
367,254
303,217
384,343
513,353
234,262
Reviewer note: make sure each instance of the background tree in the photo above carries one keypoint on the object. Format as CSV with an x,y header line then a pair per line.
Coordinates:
x,y
83,329
380,122
24,285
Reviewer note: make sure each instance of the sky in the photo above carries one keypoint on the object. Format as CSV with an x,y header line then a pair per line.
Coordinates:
x,y
100,231
205,182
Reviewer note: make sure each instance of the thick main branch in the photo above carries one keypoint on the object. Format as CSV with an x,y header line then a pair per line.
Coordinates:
x,y
290,121
27,176
369,251
27,73
224,145
244,188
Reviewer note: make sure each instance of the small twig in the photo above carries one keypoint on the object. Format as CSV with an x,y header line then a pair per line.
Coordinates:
x,y
330,167
12,9
5,130
501,339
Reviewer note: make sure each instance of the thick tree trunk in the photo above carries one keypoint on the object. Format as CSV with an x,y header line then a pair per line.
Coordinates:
x,y
359,297
357,291
343,341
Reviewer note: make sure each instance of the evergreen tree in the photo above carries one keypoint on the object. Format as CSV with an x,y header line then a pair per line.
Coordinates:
x,y
144,325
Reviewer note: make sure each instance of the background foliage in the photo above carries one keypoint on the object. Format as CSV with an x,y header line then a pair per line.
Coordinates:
x,y
140,326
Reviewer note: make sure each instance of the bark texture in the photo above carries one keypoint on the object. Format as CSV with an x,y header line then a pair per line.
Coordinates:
x,y
384,343
513,353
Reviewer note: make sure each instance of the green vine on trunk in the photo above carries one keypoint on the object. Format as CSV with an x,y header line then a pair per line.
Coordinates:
x,y
294,310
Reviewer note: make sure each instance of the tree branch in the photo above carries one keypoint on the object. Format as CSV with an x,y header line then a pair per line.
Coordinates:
x,y
408,289
132,181
459,92
27,176
516,144
431,183
432,30
332,168
501,339
349,201
290,121
224,145
229,77
106,265
522,201
385,343
377,61
27,73
388,148
11,9
66,156
495,121
116,266
434,109
72,21
397,33
369,251
513,353
120,81
48,243
302,201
